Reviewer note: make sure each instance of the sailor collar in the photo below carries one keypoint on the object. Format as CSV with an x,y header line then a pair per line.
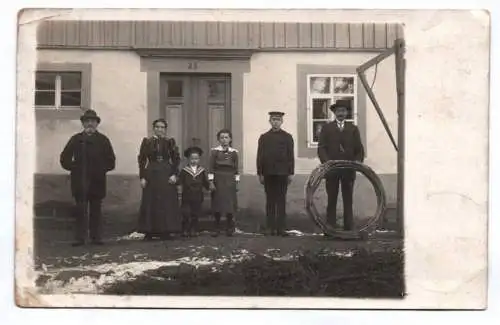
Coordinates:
x,y
229,149
190,171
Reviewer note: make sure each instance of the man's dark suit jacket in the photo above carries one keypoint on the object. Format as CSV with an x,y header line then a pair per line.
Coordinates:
x,y
335,144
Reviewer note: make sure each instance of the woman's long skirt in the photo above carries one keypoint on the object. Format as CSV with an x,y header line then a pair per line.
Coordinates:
x,y
159,212
224,198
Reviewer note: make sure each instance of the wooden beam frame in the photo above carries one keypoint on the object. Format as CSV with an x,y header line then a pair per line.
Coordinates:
x,y
400,66
399,46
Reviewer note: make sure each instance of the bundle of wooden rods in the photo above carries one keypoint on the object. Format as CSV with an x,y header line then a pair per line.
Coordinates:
x,y
331,166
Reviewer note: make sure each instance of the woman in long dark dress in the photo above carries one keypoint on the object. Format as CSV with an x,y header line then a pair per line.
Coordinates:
x,y
158,168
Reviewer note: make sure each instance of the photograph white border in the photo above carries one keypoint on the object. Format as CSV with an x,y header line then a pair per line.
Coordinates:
x,y
445,269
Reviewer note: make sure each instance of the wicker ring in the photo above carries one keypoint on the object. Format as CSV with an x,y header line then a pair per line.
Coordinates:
x,y
315,180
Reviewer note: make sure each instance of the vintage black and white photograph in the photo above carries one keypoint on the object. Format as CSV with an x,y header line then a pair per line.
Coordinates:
x,y
220,158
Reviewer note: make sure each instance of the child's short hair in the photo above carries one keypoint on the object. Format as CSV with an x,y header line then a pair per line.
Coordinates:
x,y
189,151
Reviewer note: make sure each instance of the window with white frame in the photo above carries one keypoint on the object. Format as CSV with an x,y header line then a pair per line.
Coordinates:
x,y
58,90
323,91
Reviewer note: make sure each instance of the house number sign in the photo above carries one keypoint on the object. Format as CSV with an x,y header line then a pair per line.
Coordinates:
x,y
193,65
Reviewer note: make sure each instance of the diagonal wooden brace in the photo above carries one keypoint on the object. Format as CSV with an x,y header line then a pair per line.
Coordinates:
x,y
361,73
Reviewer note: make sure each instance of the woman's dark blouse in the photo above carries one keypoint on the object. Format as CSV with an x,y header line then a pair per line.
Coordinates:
x,y
158,150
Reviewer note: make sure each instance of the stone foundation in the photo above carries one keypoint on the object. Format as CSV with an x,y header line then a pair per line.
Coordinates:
x,y
53,200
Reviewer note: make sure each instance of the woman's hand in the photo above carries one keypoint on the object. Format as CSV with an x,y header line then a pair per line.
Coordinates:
x,y
172,179
143,183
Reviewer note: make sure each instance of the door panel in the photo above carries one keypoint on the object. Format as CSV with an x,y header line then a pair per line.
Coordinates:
x,y
213,107
196,108
217,121
174,118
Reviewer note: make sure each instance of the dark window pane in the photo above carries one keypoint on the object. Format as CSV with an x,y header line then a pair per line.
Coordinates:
x,y
317,126
216,89
71,98
45,98
71,80
174,88
45,81
320,108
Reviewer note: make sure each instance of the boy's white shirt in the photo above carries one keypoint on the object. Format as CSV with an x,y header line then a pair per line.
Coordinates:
x,y
230,149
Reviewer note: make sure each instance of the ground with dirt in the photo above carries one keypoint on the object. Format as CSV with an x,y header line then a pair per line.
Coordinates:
x,y
246,264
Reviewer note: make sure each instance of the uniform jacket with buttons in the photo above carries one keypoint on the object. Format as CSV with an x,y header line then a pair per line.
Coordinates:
x,y
275,153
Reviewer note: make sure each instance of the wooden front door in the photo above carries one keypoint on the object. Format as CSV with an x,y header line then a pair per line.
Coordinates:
x,y
196,107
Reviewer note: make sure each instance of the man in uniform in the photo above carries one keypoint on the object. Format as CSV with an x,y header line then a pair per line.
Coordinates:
x,y
88,155
340,140
275,167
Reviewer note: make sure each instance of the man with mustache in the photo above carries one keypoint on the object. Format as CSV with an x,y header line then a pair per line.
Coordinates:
x,y
88,155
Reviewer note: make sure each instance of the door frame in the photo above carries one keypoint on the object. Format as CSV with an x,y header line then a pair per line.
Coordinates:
x,y
153,65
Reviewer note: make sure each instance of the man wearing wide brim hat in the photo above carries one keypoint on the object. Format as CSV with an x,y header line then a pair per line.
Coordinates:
x,y
90,115
340,140
275,167
88,155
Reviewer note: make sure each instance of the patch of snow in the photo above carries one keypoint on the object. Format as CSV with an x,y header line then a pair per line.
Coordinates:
x,y
196,248
288,257
241,232
133,236
383,230
295,232
114,272
345,254
340,253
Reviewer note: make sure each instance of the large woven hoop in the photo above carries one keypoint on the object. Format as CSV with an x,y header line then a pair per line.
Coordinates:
x,y
315,180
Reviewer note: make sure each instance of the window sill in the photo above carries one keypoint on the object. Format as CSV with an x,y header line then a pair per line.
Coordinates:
x,y
308,150
58,114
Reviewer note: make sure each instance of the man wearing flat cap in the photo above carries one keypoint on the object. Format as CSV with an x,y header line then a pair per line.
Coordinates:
x,y
275,167
340,140
88,155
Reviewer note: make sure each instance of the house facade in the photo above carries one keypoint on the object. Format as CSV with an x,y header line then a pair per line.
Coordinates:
x,y
203,76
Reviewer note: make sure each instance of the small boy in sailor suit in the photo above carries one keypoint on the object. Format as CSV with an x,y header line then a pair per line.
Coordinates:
x,y
193,179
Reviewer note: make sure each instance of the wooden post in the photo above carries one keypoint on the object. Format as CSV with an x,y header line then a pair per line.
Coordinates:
x,y
399,46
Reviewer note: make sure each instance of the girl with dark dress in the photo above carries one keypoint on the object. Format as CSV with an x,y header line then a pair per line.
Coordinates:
x,y
224,177
158,168
193,179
